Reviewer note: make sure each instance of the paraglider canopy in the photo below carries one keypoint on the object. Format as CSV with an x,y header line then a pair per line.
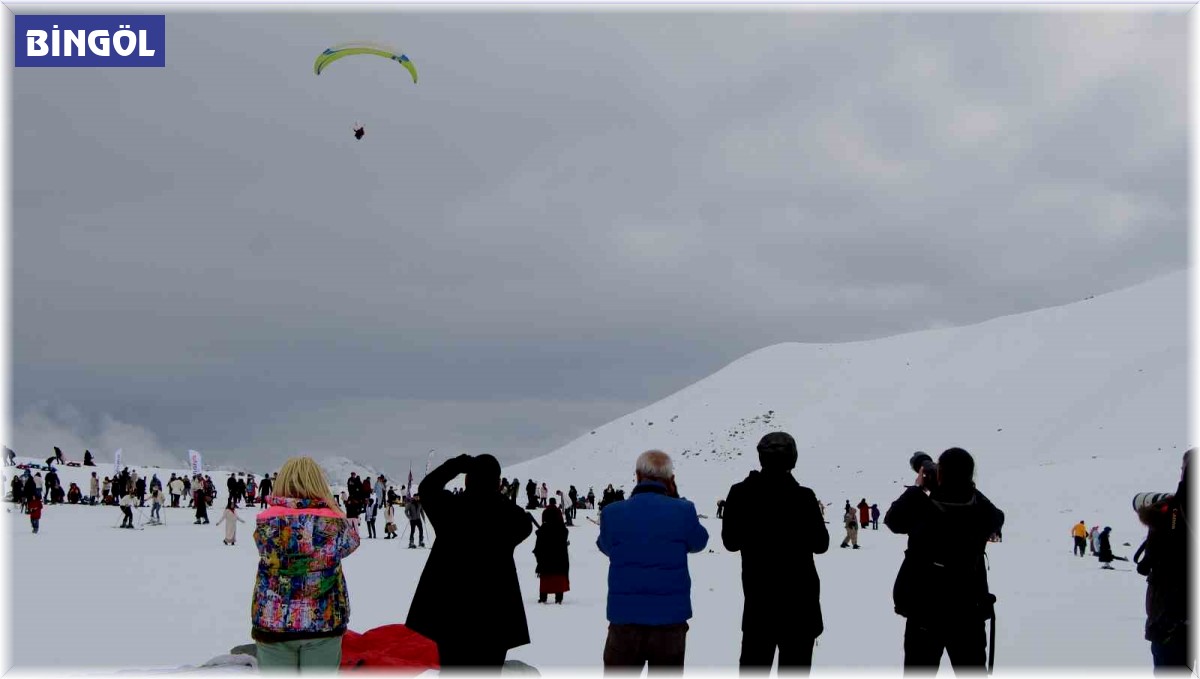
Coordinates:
x,y
332,54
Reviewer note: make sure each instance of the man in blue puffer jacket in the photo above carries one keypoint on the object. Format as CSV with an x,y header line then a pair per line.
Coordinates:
x,y
647,539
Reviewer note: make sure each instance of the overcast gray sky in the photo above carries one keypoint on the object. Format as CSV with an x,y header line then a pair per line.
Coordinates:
x,y
572,215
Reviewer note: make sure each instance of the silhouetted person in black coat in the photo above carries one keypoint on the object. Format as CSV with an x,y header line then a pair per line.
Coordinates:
x,y
1163,558
531,494
468,600
553,561
942,586
776,524
51,482
88,460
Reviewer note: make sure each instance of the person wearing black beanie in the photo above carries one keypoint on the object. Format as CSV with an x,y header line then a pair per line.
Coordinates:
x,y
777,526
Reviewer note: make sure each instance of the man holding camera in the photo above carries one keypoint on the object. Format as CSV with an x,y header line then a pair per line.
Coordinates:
x,y
776,524
468,600
647,539
942,586
1164,559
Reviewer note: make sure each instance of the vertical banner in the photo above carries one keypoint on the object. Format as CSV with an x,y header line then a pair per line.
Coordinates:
x,y
117,463
194,460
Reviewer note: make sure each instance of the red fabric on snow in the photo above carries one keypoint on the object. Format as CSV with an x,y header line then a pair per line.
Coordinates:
x,y
390,647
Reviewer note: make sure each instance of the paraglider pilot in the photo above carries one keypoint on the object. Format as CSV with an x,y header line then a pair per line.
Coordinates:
x,y
359,131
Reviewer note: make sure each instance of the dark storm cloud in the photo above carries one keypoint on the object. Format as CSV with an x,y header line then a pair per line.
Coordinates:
x,y
571,215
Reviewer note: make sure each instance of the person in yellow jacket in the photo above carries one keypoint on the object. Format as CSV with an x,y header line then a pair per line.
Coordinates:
x,y
1080,533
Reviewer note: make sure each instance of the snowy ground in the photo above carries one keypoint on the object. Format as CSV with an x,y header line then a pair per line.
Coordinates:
x,y
1069,411
88,595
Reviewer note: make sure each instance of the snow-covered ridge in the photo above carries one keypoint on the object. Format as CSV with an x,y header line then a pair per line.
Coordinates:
x,y
1104,377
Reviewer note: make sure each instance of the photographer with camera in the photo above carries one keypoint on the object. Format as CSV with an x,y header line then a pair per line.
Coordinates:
x,y
942,586
647,540
468,600
1165,561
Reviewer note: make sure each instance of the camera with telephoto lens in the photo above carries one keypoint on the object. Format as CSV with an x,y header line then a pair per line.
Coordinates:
x,y
1144,500
921,462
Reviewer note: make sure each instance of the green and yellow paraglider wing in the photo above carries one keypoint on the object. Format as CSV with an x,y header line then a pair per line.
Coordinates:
x,y
324,59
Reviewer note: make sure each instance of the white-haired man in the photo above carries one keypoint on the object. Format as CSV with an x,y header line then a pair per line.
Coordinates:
x,y
647,539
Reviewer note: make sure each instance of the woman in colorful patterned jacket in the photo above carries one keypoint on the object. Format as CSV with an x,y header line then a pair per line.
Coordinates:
x,y
301,605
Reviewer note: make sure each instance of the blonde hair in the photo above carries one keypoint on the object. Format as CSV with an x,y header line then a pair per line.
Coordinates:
x,y
302,478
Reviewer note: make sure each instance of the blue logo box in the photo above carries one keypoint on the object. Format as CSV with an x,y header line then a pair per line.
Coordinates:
x,y
91,40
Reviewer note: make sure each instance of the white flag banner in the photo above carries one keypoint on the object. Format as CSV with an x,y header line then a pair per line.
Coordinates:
x,y
117,463
194,460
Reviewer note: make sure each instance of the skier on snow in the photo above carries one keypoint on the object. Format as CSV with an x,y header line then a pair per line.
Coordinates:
x,y
413,512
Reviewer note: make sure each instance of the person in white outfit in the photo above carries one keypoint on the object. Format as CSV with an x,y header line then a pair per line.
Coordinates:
x,y
389,521
176,489
230,518
127,511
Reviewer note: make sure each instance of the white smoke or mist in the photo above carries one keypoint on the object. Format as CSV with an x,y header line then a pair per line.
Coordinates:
x,y
38,429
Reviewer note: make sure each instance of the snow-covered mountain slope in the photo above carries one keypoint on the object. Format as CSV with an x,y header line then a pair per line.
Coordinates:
x,y
1069,411
1104,377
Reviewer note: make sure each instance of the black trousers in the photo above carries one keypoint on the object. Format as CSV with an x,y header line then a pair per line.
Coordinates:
x,y
1080,546
1172,658
415,527
128,518
964,641
758,652
468,657
371,528
629,648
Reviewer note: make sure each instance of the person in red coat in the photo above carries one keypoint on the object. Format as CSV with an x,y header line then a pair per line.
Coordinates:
x,y
864,513
35,512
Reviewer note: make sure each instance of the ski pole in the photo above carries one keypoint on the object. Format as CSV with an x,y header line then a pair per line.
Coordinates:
x,y
992,644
